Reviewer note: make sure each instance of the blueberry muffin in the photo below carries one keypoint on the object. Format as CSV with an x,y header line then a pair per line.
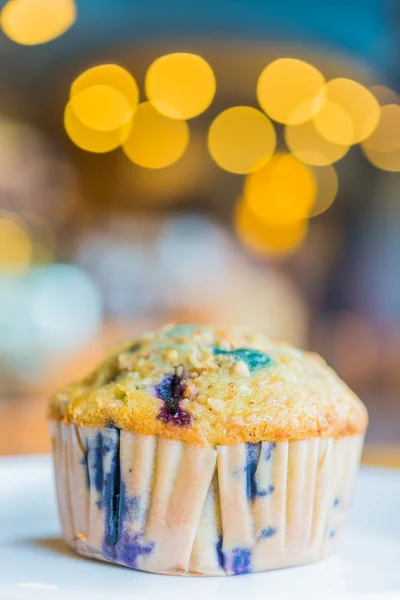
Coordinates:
x,y
205,451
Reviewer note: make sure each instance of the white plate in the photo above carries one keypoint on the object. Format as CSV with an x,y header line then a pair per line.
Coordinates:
x,y
36,564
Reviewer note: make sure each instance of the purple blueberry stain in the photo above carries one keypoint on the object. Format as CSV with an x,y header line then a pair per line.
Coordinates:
x,y
170,390
241,561
120,509
253,489
220,553
85,463
98,447
167,387
130,507
267,532
130,548
237,561
336,502
112,496
269,451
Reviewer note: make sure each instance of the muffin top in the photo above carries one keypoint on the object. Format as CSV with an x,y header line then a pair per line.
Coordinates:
x,y
212,386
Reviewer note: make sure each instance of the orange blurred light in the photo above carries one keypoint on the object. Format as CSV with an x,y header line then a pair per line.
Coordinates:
x,y
101,107
92,140
386,136
15,244
384,95
31,22
282,191
362,106
308,145
386,161
287,84
155,141
112,75
241,139
266,239
327,188
181,85
382,148
334,124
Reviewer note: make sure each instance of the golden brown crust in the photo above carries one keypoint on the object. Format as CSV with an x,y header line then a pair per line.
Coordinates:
x,y
209,386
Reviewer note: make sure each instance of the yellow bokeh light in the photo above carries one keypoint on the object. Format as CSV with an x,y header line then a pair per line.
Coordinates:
x,y
327,188
241,139
358,102
174,184
155,141
92,140
112,75
282,191
287,84
308,145
382,148
265,239
101,107
31,22
15,245
334,124
181,85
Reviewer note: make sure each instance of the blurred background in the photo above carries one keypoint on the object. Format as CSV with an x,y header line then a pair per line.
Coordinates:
x,y
230,161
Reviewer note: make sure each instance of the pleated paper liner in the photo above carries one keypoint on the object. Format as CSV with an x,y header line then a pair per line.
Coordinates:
x,y
170,507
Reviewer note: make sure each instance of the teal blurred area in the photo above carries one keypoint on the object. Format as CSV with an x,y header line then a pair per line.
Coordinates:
x,y
362,32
